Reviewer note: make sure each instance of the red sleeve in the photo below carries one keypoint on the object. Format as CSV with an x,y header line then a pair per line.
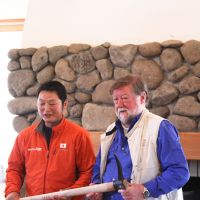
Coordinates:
x,y
85,160
15,172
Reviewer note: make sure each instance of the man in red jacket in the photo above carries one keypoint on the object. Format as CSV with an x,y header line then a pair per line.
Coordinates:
x,y
53,154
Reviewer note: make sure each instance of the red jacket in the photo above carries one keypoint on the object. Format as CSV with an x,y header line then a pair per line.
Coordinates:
x,y
67,163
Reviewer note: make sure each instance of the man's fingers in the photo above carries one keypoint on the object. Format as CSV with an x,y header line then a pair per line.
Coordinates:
x,y
90,194
94,196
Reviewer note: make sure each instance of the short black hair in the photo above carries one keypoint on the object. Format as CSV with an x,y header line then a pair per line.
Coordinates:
x,y
54,86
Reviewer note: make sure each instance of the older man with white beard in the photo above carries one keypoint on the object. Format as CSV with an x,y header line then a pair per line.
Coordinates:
x,y
147,146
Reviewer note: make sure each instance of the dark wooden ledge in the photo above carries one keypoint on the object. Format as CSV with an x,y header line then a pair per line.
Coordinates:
x,y
190,142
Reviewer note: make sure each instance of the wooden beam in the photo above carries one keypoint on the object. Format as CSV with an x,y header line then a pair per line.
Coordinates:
x,y
9,25
95,137
190,142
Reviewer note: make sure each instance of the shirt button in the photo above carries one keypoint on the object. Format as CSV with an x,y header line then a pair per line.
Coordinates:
x,y
122,148
113,179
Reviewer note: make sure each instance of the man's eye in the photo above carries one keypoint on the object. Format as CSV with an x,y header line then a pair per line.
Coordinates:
x,y
125,98
52,104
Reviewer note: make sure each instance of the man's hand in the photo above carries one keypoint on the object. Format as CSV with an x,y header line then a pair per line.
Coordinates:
x,y
12,196
61,198
133,192
94,195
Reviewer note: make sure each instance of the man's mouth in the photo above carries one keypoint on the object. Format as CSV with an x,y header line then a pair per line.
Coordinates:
x,y
121,110
47,115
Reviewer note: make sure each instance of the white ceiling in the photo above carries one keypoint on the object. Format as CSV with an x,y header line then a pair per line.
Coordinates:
x,y
13,9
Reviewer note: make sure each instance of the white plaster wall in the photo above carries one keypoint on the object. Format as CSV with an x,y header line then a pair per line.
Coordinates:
x,y
54,22
12,9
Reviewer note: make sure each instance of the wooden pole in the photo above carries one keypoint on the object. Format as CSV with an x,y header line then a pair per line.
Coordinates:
x,y
104,187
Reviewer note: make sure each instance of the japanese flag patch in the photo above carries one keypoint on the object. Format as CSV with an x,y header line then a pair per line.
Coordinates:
x,y
63,145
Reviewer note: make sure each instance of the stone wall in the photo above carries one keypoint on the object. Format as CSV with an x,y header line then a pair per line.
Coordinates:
x,y
171,70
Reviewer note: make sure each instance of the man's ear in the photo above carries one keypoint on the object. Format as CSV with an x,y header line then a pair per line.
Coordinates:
x,y
143,96
65,104
64,109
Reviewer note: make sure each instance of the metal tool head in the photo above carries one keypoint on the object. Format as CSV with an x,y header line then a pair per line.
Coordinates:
x,y
120,183
119,168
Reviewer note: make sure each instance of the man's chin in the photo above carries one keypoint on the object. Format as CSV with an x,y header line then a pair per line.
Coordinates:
x,y
123,116
125,120
122,120
48,121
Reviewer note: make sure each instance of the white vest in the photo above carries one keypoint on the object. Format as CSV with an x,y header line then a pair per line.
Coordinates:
x,y
142,140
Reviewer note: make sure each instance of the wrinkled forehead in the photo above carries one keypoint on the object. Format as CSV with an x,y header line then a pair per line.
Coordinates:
x,y
127,89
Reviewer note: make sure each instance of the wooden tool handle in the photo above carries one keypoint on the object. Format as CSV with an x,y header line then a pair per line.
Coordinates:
x,y
104,187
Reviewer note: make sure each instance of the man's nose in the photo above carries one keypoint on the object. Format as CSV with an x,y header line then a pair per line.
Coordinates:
x,y
46,107
120,102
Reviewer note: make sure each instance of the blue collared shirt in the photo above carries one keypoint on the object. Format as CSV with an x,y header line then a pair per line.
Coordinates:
x,y
170,154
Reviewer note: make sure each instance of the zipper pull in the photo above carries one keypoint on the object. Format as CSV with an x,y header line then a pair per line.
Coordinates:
x,y
47,154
